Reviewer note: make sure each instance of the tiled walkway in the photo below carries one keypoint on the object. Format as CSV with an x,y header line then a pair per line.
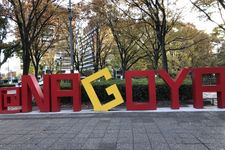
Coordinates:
x,y
139,131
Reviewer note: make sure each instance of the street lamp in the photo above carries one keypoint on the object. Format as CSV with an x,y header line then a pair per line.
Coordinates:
x,y
71,36
60,63
0,65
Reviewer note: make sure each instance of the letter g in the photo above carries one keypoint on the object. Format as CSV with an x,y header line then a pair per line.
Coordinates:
x,y
113,89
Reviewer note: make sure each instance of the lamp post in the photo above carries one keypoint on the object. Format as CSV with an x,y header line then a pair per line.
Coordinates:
x,y
60,63
0,65
71,37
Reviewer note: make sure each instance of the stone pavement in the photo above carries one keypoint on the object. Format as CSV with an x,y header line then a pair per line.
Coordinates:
x,y
123,130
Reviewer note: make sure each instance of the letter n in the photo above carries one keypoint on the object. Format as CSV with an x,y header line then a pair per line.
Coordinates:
x,y
199,88
31,88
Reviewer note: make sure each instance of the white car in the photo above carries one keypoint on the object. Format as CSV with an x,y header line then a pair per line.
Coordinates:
x,y
19,84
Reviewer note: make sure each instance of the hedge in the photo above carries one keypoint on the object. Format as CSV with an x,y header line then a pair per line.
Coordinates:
x,y
7,85
140,90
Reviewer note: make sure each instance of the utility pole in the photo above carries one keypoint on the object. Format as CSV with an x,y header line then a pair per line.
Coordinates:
x,y
71,37
0,65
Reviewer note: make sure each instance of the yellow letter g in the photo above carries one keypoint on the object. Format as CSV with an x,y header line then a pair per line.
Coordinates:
x,y
113,89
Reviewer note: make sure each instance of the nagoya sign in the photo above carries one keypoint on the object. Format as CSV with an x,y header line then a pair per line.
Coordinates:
x,y
48,98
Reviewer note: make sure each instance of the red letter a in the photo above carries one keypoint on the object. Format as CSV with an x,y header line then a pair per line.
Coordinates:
x,y
57,92
199,88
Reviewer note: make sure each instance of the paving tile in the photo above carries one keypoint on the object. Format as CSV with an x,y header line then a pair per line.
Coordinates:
x,y
156,131
124,146
96,135
107,146
125,140
109,140
65,145
160,146
10,139
79,140
142,146
156,137
188,147
19,147
190,141
91,146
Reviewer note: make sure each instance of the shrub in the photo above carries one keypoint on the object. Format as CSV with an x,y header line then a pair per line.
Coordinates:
x,y
7,85
140,90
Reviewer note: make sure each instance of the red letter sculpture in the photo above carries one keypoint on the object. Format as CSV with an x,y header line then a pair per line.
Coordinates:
x,y
30,87
151,104
10,97
198,88
174,85
73,92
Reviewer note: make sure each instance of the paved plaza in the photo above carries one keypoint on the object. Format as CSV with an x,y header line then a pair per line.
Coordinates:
x,y
114,131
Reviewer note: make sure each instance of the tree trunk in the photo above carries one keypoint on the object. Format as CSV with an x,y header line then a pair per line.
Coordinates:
x,y
77,62
164,57
123,69
26,66
77,68
26,59
95,67
98,50
36,71
161,39
156,62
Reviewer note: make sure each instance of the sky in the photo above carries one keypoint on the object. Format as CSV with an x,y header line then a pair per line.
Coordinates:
x,y
189,15
192,16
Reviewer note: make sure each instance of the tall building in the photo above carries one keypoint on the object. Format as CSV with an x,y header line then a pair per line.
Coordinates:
x,y
85,47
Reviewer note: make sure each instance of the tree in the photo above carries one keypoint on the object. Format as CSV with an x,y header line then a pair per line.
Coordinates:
x,y
7,49
102,47
129,51
102,39
211,7
78,11
105,16
31,16
221,55
146,41
45,41
180,44
3,24
49,60
192,48
160,18
218,36
106,51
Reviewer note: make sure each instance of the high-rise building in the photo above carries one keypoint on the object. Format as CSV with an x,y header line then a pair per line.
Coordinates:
x,y
85,47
